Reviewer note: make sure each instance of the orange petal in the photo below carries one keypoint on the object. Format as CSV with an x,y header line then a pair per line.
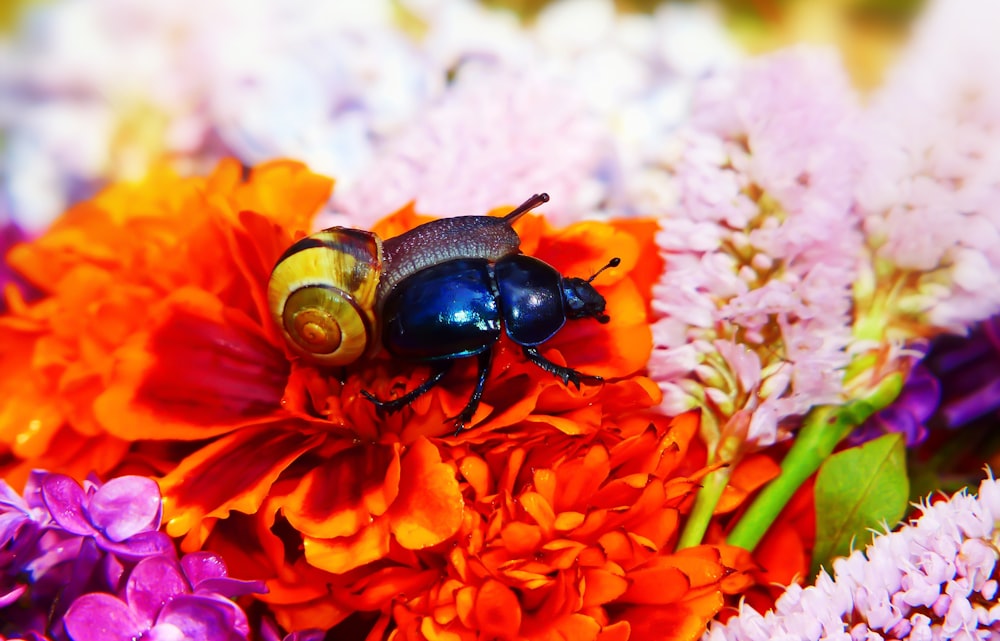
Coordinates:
x,y
521,539
285,191
341,496
657,582
204,369
614,350
345,553
498,612
429,507
648,266
234,472
683,621
601,586
620,631
580,478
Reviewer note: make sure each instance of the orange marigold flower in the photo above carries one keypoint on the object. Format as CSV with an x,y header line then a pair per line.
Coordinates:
x,y
153,347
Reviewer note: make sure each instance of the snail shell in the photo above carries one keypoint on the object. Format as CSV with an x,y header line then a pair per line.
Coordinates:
x,y
322,294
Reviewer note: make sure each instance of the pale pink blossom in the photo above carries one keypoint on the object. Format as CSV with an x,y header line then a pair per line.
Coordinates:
x,y
930,194
761,248
931,579
494,139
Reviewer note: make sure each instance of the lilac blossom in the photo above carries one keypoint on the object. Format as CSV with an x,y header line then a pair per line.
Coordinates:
x,y
930,195
166,599
761,249
90,562
931,579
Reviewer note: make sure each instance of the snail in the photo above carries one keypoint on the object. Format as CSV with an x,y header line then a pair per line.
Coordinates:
x,y
442,291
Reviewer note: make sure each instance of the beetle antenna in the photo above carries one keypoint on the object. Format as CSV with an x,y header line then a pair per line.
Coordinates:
x,y
526,206
614,262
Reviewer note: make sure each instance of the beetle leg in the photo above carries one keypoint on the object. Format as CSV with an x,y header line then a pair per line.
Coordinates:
x,y
567,374
396,404
484,360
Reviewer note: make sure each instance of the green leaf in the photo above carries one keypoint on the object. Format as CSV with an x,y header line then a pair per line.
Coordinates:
x,y
858,490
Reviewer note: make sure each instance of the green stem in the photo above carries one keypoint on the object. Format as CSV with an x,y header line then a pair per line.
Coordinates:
x,y
704,506
824,427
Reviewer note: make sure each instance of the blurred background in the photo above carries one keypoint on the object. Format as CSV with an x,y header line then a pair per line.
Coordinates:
x,y
93,91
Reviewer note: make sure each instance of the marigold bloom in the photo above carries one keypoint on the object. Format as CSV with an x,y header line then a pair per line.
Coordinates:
x,y
932,579
175,361
108,271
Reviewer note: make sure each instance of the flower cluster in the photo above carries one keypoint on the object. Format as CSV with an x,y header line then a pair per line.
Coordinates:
x,y
89,563
761,250
933,579
930,194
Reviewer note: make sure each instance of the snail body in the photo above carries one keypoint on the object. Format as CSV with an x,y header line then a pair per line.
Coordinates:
x,y
440,292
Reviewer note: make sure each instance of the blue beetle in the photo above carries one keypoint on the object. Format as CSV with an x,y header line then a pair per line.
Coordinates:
x,y
458,309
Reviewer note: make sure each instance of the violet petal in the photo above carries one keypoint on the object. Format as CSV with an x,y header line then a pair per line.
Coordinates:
x,y
33,489
199,566
140,546
125,506
922,393
12,595
154,582
101,617
231,588
206,572
65,501
200,618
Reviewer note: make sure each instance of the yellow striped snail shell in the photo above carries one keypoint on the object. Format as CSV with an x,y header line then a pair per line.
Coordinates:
x,y
326,290
322,295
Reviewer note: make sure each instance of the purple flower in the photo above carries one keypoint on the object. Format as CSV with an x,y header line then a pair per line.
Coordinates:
x,y
909,413
166,599
91,559
492,138
933,578
969,370
122,516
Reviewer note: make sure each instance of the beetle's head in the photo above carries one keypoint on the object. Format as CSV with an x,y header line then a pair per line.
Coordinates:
x,y
582,300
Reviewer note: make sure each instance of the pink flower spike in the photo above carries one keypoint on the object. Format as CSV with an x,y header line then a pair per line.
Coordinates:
x,y
761,248
930,579
930,195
